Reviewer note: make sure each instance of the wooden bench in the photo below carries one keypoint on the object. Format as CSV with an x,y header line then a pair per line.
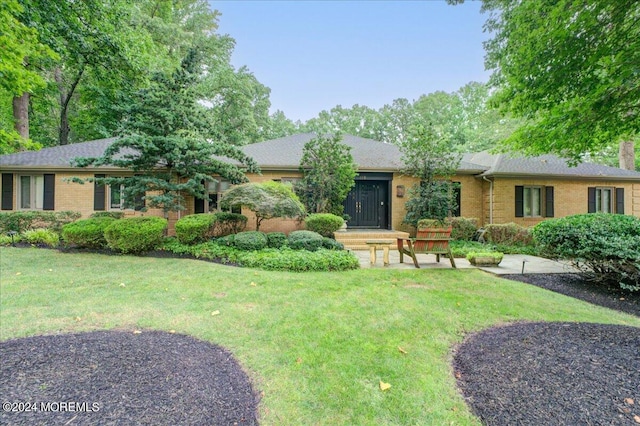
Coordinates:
x,y
427,241
374,245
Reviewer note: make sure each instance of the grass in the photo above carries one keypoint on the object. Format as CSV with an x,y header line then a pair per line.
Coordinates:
x,y
316,345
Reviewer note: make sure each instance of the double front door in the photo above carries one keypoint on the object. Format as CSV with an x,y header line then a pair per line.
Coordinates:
x,y
367,205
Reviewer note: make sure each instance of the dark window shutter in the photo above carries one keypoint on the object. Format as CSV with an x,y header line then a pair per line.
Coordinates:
x,y
49,192
591,201
198,206
7,191
99,195
620,200
548,201
519,201
457,190
139,202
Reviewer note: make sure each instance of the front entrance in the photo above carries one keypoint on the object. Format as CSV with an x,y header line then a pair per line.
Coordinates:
x,y
368,204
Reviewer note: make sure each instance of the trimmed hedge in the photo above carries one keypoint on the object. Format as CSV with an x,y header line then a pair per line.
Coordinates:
x,y
229,223
324,224
604,247
22,221
87,232
250,240
111,214
508,233
462,228
135,234
305,240
331,244
276,240
195,228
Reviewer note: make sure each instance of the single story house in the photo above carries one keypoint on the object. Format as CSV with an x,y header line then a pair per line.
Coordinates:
x,y
495,188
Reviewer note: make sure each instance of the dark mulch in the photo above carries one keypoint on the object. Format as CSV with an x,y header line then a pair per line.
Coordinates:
x,y
552,374
575,286
151,378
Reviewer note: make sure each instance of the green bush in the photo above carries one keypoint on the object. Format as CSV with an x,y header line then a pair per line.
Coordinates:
x,y
331,244
324,224
41,236
462,228
227,240
604,247
5,240
508,233
135,234
430,223
87,232
228,223
111,214
305,240
22,221
461,248
299,261
250,240
276,240
195,228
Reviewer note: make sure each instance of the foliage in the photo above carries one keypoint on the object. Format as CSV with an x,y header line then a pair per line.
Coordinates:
x,y
430,223
507,233
331,244
305,240
428,158
569,68
166,125
604,247
228,223
267,200
250,240
87,232
276,240
463,228
492,254
460,248
6,240
300,261
324,224
135,234
195,228
21,221
328,172
41,236
112,214
227,240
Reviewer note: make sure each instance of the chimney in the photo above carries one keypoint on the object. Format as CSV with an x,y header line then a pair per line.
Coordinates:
x,y
626,156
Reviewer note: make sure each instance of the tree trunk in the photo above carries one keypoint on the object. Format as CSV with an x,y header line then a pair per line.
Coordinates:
x,y
21,114
626,156
65,98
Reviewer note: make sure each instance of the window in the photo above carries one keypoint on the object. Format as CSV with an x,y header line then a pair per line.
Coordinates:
x,y
36,192
534,201
605,200
212,204
118,201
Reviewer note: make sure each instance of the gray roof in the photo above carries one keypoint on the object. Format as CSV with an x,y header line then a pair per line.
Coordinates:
x,y
370,155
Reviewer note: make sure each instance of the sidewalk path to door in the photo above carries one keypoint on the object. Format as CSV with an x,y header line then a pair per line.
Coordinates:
x,y
511,263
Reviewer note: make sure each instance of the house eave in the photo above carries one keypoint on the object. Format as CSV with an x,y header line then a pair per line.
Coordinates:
x,y
559,176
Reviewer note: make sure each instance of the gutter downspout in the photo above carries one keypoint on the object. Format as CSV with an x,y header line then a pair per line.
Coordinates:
x,y
490,199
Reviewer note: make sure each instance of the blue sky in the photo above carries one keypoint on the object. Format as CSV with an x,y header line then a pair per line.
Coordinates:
x,y
315,55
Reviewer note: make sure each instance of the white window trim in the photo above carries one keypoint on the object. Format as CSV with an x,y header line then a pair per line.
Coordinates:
x,y
598,198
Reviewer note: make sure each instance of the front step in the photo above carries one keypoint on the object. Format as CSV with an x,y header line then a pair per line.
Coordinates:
x,y
357,239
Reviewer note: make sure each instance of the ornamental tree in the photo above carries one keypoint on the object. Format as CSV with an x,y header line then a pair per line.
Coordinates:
x,y
267,200
165,140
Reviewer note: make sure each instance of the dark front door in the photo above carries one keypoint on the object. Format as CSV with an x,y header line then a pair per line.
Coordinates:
x,y
366,205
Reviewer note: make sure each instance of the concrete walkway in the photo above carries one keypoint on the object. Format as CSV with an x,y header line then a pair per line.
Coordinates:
x,y
511,263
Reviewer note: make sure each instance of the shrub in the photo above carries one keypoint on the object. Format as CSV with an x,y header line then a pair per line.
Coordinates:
x,y
331,244
508,233
461,248
324,224
227,240
228,223
25,220
430,223
135,234
5,240
41,236
604,247
305,240
87,232
463,228
250,240
112,214
299,261
195,228
276,240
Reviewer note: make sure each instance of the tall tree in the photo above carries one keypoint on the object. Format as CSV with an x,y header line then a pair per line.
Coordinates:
x,y
570,68
167,141
328,172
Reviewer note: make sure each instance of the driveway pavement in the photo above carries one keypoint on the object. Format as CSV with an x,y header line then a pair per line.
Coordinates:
x,y
511,263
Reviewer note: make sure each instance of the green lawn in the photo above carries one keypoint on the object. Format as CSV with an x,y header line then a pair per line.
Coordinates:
x,y
316,345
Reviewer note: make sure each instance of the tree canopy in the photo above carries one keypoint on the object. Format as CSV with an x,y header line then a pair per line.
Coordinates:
x,y
570,68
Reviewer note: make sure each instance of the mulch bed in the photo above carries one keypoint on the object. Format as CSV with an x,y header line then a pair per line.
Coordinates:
x,y
552,374
575,286
118,377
